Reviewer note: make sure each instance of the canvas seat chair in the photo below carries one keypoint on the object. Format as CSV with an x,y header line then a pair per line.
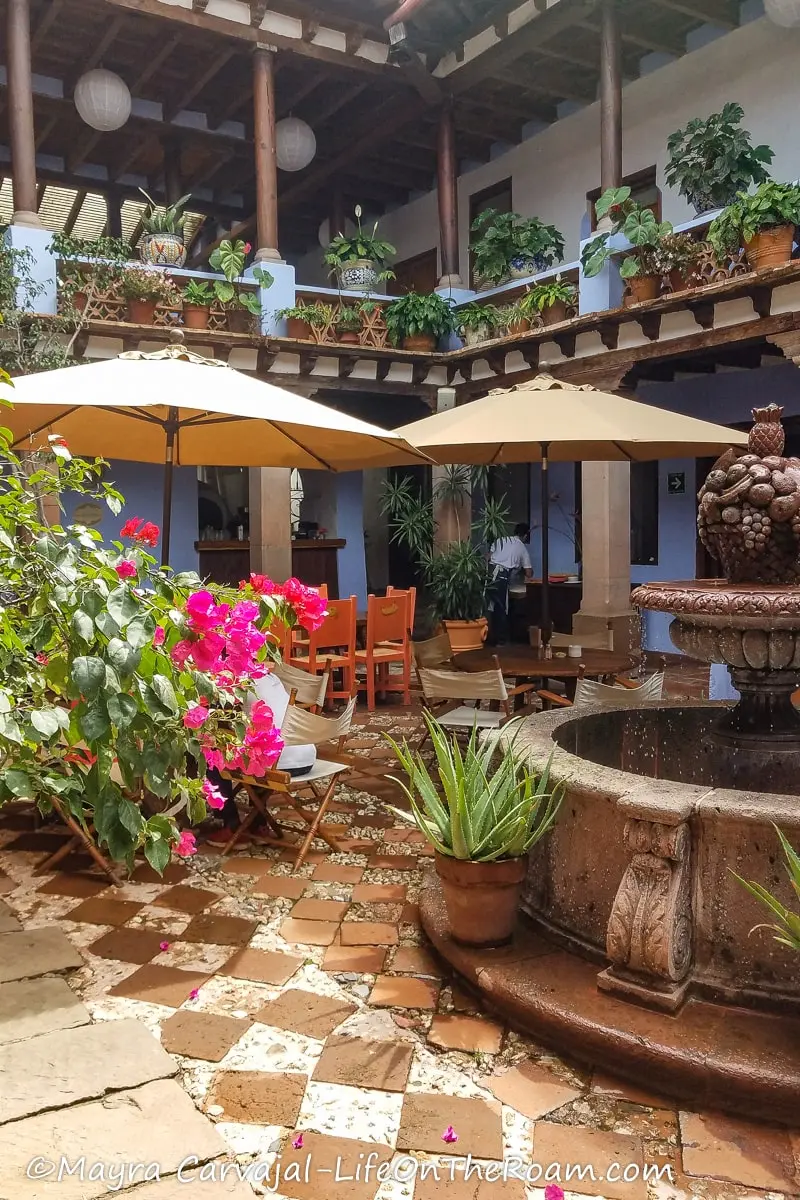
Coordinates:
x,y
453,698
308,690
622,694
316,786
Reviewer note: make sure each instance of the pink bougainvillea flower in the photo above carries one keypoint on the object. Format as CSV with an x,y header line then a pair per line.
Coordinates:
x,y
214,797
196,716
163,946
204,613
186,846
449,1135
180,653
213,757
553,1192
261,584
141,531
297,1143
42,659
194,993
130,528
159,635
125,569
247,247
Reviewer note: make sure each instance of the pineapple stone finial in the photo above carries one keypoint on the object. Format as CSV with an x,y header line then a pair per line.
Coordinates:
x,y
767,437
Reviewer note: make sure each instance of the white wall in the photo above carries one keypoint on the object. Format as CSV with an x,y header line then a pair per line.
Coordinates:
x,y
756,65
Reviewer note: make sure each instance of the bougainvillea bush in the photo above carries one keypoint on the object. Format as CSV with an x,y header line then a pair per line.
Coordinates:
x,y
121,684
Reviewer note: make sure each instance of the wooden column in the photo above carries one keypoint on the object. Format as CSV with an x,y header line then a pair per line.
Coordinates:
x,y
266,161
20,112
448,199
610,97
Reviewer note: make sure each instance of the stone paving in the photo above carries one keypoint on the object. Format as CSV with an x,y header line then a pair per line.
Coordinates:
x,y
302,1020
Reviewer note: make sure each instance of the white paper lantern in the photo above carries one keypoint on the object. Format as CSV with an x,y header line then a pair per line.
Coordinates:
x,y
783,12
295,144
103,100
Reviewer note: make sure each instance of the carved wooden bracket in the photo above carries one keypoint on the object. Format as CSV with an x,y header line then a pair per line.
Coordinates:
x,y
788,344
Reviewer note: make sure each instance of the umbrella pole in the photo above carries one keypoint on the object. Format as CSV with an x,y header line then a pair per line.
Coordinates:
x,y
169,472
545,481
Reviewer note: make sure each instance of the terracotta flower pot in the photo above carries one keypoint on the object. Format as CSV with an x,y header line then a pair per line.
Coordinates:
x,y
295,328
683,283
195,316
521,325
643,287
771,247
481,898
421,341
141,312
467,635
553,313
349,337
80,300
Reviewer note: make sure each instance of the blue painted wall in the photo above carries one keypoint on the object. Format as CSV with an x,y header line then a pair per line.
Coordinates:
x,y
350,525
562,505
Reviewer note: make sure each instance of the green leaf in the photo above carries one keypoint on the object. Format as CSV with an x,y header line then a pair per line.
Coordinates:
x,y
83,625
45,721
106,624
122,657
88,675
140,631
158,853
122,605
94,721
19,784
9,729
122,709
165,692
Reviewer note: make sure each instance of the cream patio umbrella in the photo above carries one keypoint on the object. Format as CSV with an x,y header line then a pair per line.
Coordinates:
x,y
178,408
545,420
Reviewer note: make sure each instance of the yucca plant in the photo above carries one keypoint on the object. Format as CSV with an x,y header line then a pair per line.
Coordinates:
x,y
476,813
787,928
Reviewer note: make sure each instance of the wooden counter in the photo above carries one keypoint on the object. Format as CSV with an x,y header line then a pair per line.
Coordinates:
x,y
314,561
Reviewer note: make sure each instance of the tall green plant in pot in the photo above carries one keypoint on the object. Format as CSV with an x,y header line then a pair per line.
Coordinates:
x,y
786,929
641,265
240,305
712,159
359,260
162,242
510,246
482,814
419,322
763,222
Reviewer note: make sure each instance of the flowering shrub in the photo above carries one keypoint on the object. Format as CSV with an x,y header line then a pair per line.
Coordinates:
x,y
119,680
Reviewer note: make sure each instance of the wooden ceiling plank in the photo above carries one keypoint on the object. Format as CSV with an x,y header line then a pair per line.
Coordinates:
x,y
161,51
642,40
288,101
195,87
95,57
345,97
701,11
38,34
45,129
75,211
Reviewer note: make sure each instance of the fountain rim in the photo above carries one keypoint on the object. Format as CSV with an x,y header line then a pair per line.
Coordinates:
x,y
703,598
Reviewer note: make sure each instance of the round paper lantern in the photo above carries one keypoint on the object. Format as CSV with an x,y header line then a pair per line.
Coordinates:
x,y
103,100
295,144
783,12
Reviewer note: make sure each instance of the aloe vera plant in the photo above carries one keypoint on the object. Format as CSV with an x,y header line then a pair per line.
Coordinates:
x,y
787,928
482,815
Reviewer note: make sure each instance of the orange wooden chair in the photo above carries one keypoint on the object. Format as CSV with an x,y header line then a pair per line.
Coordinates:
x,y
299,636
388,641
412,592
332,647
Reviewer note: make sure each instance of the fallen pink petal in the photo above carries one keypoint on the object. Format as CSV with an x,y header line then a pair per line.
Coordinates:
x,y
297,1143
164,946
553,1192
194,993
449,1135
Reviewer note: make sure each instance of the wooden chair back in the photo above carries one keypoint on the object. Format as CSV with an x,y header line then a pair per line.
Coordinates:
x,y
302,728
589,691
309,690
439,685
412,601
338,629
388,618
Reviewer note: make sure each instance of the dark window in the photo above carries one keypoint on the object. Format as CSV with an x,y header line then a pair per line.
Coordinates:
x,y
644,191
498,196
644,513
418,274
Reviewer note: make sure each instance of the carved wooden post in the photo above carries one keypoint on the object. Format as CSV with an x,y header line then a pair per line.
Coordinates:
x,y
20,113
266,160
610,98
448,199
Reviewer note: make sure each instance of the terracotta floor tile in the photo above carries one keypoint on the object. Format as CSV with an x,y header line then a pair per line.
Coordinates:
x,y
456,1187
7,884
186,899
41,840
364,959
379,893
398,833
369,933
173,873
309,933
373,821
244,864
414,960
463,1001
202,1035
286,887
319,910
595,1147
80,887
738,1151
313,856
393,862
365,1063
128,945
215,929
452,1031
326,1156
404,991
620,1089
262,966
102,911
160,985
531,1090
477,1123
336,873
410,914
304,1012
355,845
259,1097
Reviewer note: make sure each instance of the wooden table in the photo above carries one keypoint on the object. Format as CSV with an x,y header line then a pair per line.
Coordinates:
x,y
526,662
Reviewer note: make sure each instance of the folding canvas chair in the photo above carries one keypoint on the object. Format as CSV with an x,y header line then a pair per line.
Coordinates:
x,y
622,694
442,691
308,690
388,641
331,648
317,785
433,652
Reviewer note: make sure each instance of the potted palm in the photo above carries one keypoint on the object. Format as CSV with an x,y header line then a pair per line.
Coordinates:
x,y
762,221
713,159
478,322
419,322
482,814
550,300
510,246
162,242
197,300
359,261
144,289
640,267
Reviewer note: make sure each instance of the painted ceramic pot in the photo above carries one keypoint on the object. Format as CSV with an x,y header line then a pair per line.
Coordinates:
x,y
358,276
521,268
162,250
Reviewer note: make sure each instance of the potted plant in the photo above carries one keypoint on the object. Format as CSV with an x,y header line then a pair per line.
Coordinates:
x,y
712,159
509,246
482,811
679,257
550,300
86,266
144,289
240,306
517,320
419,322
197,300
162,242
298,322
478,322
640,266
787,929
762,221
348,323
359,261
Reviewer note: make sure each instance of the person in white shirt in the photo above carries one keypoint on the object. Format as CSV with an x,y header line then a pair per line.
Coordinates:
x,y
509,567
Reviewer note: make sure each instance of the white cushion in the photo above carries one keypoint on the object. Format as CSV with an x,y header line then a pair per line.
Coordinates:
x,y
465,717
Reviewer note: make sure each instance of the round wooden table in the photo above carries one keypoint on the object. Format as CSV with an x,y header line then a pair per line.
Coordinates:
x,y
526,662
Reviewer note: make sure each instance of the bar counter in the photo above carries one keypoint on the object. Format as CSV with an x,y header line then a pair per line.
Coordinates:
x,y
314,561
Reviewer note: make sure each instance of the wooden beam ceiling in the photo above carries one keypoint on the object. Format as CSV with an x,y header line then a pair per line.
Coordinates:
x,y
717,13
185,97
